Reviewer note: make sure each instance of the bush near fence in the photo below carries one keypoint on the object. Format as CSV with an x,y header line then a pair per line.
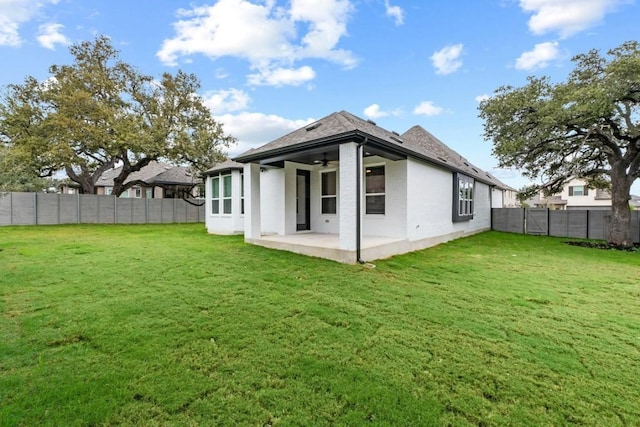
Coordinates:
x,y
583,224
43,208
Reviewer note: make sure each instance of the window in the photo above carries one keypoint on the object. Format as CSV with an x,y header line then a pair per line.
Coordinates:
x,y
463,189
137,192
226,194
242,193
221,191
215,195
374,190
329,192
108,191
578,190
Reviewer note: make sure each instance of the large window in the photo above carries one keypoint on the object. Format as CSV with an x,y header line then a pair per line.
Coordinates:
x,y
329,192
374,190
221,194
226,194
578,190
215,195
242,193
463,193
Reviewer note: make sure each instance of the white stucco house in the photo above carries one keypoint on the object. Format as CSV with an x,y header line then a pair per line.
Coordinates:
x,y
346,189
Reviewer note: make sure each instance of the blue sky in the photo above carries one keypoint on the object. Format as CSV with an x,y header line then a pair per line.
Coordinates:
x,y
268,67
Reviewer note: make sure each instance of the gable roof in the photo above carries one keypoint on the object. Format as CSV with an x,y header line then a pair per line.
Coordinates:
x,y
154,173
343,126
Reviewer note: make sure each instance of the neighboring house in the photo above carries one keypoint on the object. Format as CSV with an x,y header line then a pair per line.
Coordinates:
x,y
503,196
576,195
159,181
345,189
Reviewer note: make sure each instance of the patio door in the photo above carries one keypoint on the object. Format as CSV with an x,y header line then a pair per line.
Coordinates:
x,y
303,200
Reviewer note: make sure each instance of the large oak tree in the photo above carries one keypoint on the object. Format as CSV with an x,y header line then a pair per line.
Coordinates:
x,y
586,127
100,112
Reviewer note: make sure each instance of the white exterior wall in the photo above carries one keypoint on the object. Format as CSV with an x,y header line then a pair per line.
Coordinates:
x,y
347,191
323,223
430,204
225,223
272,201
510,199
394,222
497,198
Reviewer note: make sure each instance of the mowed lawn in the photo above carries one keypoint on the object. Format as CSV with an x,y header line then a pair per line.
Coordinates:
x,y
167,325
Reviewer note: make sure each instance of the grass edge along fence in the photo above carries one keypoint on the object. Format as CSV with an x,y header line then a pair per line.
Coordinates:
x,y
581,224
43,208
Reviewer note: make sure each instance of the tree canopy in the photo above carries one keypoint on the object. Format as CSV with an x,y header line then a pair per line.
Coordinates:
x,y
586,127
100,112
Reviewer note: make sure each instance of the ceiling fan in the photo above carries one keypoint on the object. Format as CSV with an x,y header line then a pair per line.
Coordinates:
x,y
324,162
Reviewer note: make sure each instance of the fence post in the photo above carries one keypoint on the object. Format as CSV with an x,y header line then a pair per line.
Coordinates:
x,y
78,207
11,208
35,208
588,214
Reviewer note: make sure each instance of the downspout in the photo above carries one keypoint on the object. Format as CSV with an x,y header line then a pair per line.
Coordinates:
x,y
359,200
491,188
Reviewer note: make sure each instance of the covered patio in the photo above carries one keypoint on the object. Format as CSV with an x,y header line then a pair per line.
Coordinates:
x,y
328,245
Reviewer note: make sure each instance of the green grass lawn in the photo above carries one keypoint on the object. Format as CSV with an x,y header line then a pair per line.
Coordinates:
x,y
167,325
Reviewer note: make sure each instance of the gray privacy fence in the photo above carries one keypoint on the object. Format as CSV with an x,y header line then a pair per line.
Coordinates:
x,y
583,224
43,208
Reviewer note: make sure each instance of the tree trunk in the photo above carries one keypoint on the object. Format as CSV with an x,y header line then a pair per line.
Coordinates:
x,y
87,186
620,220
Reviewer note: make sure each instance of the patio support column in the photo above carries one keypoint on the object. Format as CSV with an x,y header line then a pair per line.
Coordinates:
x,y
348,212
252,226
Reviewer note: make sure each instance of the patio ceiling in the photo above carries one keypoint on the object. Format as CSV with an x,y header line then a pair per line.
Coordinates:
x,y
328,153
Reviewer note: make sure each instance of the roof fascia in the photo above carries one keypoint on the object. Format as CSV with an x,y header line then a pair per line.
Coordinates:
x,y
291,149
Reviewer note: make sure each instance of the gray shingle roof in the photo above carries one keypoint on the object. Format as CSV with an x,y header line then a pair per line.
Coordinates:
x,y
416,142
154,173
224,166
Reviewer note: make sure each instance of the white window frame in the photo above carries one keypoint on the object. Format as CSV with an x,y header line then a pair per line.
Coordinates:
x,y
241,193
383,194
227,200
215,201
323,196
463,197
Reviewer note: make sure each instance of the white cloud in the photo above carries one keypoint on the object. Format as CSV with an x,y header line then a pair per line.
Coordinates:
x,y
482,97
539,57
256,129
566,17
226,101
14,13
282,76
373,112
270,37
427,108
394,12
220,73
447,60
49,35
